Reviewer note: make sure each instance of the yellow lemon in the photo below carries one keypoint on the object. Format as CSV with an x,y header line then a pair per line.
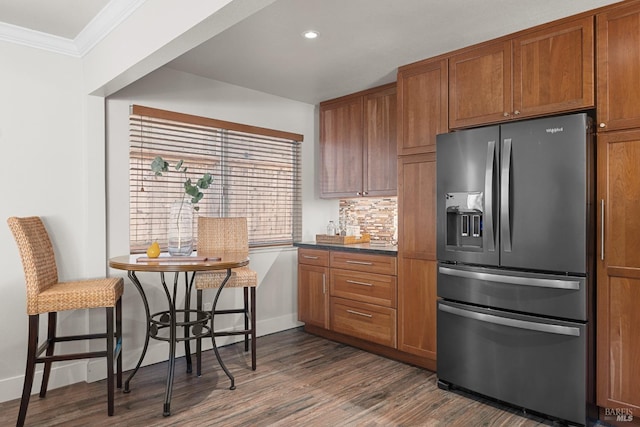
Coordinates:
x,y
153,250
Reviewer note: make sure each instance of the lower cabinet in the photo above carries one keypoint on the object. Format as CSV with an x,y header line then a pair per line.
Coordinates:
x,y
349,293
313,287
366,321
352,297
417,308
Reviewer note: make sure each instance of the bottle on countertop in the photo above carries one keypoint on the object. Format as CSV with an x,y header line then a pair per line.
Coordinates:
x,y
331,229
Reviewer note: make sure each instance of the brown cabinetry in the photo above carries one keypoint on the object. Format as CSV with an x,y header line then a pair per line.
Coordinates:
x,y
618,182
553,69
358,144
422,105
618,35
313,287
355,294
417,308
417,207
380,132
543,71
417,256
365,321
480,85
363,296
618,271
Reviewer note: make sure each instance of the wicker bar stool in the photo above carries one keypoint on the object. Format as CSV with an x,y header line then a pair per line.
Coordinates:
x,y
216,235
46,295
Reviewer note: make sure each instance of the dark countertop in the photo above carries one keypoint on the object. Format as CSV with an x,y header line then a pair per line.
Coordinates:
x,y
357,247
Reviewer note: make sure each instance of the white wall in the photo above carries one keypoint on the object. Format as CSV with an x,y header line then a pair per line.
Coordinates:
x,y
44,172
277,268
52,140
55,170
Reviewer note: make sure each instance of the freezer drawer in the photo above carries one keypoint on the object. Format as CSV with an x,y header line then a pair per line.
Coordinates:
x,y
542,294
524,360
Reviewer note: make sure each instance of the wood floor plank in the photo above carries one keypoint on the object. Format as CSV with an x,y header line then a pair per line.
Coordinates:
x,y
301,380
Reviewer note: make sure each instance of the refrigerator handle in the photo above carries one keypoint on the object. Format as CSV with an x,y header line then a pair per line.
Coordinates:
x,y
505,190
514,323
488,197
512,280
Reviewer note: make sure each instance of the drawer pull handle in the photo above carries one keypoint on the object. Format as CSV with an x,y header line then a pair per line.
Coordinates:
x,y
359,283
359,262
310,257
359,314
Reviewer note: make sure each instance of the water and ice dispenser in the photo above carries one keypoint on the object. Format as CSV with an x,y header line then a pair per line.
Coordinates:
x,y
464,220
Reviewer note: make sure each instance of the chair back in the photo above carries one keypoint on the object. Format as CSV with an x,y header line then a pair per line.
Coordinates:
x,y
217,235
38,259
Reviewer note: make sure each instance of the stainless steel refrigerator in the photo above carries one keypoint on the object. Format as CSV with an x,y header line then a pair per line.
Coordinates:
x,y
515,276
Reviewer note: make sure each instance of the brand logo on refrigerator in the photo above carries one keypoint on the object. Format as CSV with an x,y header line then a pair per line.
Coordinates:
x,y
554,130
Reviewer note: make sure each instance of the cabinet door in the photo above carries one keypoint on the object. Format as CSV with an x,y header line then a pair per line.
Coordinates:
x,y
379,167
341,148
417,206
618,265
417,255
423,106
313,295
618,43
417,307
480,85
553,69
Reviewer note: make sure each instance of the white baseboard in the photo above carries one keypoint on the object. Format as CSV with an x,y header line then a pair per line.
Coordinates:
x,y
95,369
62,374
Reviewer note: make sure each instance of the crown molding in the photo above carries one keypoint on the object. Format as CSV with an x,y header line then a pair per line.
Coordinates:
x,y
112,15
104,22
24,36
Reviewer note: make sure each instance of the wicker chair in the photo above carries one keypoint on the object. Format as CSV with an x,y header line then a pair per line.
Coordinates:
x,y
46,295
216,235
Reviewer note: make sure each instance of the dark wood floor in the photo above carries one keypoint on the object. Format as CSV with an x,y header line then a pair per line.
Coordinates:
x,y
301,380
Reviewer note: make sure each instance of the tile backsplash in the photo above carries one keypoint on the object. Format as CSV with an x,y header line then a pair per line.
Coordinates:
x,y
376,216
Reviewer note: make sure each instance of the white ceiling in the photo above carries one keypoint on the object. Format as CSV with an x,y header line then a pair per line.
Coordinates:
x,y
361,43
62,18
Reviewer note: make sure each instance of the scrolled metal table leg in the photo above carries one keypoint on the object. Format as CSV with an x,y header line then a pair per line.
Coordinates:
x,y
172,343
188,284
199,339
136,283
213,338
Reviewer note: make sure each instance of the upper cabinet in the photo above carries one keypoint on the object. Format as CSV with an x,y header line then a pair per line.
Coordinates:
x,y
422,105
618,33
358,144
379,166
553,69
543,71
480,85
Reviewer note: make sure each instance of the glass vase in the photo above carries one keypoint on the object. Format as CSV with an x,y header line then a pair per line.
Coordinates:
x,y
181,228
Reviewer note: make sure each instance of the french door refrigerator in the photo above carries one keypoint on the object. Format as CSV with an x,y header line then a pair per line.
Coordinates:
x,y
515,247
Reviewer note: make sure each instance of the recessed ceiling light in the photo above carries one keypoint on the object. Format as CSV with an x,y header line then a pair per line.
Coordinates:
x,y
310,34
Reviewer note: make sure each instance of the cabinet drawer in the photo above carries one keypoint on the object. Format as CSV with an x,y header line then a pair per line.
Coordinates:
x,y
365,321
381,264
313,257
366,287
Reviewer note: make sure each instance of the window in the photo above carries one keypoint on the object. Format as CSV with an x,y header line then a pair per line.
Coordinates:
x,y
256,175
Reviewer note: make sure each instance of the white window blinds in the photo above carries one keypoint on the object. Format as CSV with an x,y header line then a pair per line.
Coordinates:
x,y
256,174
